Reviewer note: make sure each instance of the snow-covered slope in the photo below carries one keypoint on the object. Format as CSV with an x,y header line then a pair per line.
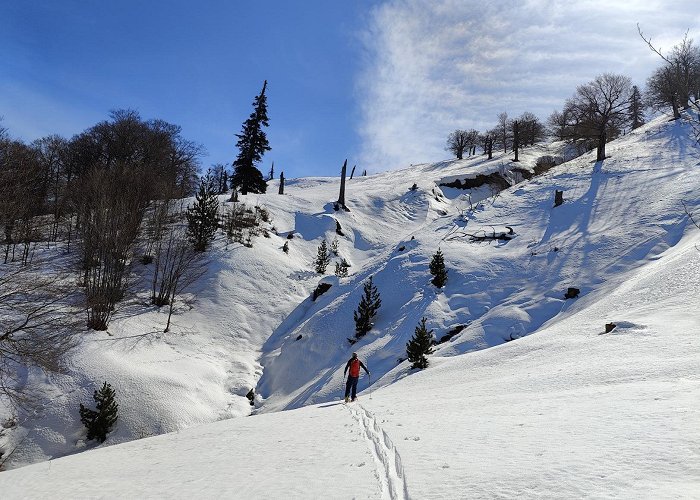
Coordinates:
x,y
569,412
617,215
620,235
201,370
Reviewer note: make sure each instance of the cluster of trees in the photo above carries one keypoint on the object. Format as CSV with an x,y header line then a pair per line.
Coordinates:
x,y
600,110
509,135
113,193
421,344
325,254
93,193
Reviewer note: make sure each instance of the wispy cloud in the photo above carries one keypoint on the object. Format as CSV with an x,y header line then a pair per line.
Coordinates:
x,y
435,65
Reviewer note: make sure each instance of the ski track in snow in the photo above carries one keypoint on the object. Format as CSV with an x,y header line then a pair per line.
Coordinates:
x,y
389,466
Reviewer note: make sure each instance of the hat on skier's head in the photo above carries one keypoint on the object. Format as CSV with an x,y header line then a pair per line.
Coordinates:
x,y
354,354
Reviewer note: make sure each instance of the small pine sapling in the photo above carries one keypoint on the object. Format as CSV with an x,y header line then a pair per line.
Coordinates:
x,y
420,346
367,309
322,258
334,247
341,269
285,247
99,422
203,217
437,269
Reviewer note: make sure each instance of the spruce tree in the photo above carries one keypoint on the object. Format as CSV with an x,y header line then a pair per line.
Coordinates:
x,y
322,258
99,422
367,309
203,218
341,269
420,346
437,269
636,108
252,145
334,247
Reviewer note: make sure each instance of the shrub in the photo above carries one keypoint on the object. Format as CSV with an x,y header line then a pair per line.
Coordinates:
x,y
241,224
547,162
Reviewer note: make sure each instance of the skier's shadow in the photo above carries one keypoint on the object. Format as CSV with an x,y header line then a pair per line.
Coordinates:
x,y
329,405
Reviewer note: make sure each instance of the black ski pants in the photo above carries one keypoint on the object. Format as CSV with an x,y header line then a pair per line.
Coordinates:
x,y
351,385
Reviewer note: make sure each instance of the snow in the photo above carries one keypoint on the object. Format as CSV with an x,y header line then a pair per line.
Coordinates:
x,y
565,410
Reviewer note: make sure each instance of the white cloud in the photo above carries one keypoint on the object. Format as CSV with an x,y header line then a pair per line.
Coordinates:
x,y
436,65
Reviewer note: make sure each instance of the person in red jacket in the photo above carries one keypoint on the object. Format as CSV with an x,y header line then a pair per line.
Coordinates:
x,y
354,365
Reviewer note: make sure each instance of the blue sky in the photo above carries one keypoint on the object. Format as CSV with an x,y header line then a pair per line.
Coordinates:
x,y
196,64
381,82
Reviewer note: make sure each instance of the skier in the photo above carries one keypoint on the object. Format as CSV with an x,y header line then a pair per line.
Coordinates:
x,y
354,365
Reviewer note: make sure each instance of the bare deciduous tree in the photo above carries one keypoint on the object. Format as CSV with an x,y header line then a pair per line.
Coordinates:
x,y
457,143
177,266
22,194
557,124
531,129
111,213
678,79
503,128
37,325
487,140
599,109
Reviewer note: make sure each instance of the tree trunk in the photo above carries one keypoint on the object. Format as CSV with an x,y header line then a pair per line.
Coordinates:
x,y
674,105
352,172
601,146
516,139
281,191
341,197
558,197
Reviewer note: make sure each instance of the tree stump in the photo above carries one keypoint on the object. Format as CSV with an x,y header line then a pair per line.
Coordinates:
x,y
609,327
558,197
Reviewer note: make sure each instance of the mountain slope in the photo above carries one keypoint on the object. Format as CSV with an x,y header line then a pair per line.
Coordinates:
x,y
617,214
252,305
567,412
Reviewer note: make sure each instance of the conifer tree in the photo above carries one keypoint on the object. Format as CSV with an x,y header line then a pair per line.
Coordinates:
x,y
437,269
367,309
334,246
420,346
203,218
252,145
341,269
322,258
636,109
99,422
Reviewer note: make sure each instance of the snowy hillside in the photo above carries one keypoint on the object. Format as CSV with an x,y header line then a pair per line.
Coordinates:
x,y
569,412
566,412
201,370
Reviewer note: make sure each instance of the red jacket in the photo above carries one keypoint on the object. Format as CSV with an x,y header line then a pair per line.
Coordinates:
x,y
354,365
